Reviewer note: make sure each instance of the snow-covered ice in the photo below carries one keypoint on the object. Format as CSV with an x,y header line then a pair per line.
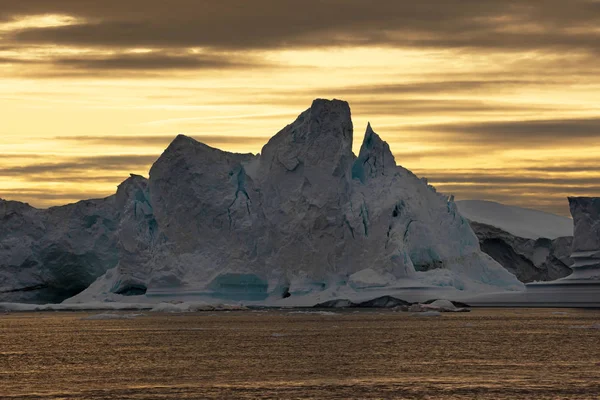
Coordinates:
x,y
194,307
522,222
117,306
314,312
437,306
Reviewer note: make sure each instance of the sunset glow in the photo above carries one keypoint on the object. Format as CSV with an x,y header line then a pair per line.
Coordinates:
x,y
499,104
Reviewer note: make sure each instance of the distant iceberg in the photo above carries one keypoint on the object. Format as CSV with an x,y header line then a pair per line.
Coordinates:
x,y
579,289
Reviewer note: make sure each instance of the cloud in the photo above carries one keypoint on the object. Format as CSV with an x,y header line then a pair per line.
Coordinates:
x,y
486,49
45,198
9,156
408,106
136,64
80,165
575,167
164,140
412,156
151,61
512,178
432,87
527,187
260,24
9,60
516,133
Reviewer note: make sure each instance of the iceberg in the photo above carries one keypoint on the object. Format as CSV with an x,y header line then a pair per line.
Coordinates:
x,y
530,260
531,244
586,243
304,221
579,289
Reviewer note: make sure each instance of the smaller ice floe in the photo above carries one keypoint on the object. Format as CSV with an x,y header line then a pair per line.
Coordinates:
x,y
594,326
108,316
560,313
469,325
313,312
92,306
384,302
458,304
427,314
379,302
194,307
437,305
276,335
337,303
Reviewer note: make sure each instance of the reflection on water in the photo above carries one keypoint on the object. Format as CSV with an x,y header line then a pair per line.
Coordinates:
x,y
504,354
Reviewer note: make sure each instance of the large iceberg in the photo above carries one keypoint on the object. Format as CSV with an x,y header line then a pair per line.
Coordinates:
x,y
305,216
305,220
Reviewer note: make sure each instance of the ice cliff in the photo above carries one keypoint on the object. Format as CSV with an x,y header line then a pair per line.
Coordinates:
x,y
49,255
530,260
533,245
586,242
305,216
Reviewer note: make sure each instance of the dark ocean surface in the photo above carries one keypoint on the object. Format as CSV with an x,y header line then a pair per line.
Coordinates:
x,y
488,353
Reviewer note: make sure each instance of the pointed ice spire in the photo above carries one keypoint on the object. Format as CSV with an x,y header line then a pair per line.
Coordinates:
x,y
374,158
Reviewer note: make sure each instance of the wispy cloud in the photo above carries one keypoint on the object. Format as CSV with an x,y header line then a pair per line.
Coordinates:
x,y
80,165
163,140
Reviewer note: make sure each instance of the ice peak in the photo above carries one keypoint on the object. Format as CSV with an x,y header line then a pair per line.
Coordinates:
x,y
130,188
182,140
133,180
321,137
10,206
185,146
325,106
374,158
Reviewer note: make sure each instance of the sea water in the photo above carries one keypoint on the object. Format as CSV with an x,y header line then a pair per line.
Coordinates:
x,y
488,353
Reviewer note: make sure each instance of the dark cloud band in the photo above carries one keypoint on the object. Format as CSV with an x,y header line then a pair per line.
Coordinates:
x,y
239,24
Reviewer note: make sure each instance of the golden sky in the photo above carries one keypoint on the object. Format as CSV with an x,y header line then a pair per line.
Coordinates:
x,y
495,100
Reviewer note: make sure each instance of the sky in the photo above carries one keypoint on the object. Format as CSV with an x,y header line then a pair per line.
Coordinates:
x,y
488,99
